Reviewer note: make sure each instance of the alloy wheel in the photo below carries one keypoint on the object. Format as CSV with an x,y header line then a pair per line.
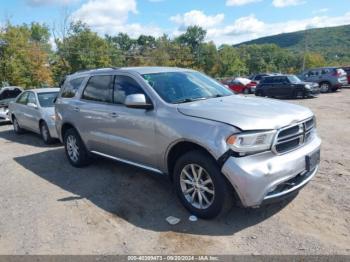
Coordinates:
x,y
197,186
72,148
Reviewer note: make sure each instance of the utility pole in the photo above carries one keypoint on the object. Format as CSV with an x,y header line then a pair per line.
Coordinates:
x,y
305,49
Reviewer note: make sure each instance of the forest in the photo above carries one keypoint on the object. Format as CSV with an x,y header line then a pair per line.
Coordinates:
x,y
33,55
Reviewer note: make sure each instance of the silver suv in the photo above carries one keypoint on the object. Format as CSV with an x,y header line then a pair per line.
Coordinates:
x,y
214,145
330,79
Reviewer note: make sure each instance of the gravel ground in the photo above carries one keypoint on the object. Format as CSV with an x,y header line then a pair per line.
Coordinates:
x,y
48,207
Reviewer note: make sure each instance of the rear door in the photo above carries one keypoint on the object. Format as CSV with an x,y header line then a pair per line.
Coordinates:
x,y
96,116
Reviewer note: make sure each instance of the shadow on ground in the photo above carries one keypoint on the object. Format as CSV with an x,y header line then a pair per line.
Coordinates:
x,y
27,138
141,198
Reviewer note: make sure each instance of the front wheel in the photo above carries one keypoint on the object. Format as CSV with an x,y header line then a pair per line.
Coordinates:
x,y
76,151
200,185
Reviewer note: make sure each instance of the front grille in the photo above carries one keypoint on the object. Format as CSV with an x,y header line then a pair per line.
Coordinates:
x,y
294,136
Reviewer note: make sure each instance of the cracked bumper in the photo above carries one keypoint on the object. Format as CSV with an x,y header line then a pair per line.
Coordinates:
x,y
261,177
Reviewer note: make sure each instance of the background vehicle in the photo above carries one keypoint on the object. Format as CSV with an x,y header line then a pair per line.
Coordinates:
x,y
240,85
286,86
258,77
347,70
182,123
7,95
330,79
34,110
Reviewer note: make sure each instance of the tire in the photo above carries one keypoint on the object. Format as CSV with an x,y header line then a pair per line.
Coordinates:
x,y
299,94
75,149
259,93
325,87
18,130
216,194
45,134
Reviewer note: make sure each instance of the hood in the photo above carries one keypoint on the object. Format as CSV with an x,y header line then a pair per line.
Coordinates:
x,y
247,113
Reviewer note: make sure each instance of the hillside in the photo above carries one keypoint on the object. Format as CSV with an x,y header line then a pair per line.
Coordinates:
x,y
332,42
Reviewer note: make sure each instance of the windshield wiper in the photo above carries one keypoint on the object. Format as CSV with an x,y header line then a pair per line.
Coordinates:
x,y
187,100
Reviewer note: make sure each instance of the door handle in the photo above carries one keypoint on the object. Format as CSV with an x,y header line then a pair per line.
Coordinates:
x,y
76,109
114,115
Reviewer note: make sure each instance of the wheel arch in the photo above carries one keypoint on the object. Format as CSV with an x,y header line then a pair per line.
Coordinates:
x,y
178,149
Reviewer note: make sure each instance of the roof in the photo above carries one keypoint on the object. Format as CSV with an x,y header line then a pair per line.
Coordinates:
x,y
140,70
44,90
10,88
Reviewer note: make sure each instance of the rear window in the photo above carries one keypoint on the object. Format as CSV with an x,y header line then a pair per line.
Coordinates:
x,y
71,87
47,99
8,94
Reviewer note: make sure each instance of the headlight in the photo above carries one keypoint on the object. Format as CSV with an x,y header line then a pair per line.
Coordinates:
x,y
307,86
251,142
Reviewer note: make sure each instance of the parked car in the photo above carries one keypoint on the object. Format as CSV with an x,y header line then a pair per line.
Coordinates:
x,y
7,95
286,86
182,123
347,70
258,77
330,79
240,85
34,110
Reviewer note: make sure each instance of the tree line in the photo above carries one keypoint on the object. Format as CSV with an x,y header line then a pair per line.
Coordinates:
x,y
29,60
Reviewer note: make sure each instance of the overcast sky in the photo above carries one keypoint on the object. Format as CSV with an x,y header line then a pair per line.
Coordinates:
x,y
226,21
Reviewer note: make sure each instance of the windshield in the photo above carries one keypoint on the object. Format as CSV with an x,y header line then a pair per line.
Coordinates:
x,y
294,79
181,87
47,99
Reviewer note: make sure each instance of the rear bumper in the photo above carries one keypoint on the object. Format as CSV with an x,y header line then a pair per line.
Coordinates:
x,y
4,114
52,129
262,177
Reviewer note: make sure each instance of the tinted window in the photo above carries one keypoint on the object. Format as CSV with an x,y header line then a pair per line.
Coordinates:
x,y
125,86
47,99
71,87
99,89
23,99
31,98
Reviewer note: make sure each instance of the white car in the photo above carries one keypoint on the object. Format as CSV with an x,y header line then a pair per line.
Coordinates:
x,y
34,110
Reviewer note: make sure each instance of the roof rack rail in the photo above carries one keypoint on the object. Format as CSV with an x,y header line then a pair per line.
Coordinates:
x,y
101,68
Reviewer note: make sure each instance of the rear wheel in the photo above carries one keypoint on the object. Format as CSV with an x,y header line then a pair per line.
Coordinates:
x,y
18,130
76,151
325,87
299,94
259,93
200,185
45,134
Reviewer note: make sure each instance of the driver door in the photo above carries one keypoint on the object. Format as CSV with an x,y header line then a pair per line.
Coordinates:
x,y
134,130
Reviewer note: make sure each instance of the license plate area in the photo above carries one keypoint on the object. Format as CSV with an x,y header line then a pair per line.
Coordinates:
x,y
312,160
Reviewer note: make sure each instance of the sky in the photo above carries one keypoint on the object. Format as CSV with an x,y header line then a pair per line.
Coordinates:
x,y
226,21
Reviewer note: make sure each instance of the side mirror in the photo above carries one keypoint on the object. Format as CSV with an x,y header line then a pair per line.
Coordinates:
x,y
137,101
32,105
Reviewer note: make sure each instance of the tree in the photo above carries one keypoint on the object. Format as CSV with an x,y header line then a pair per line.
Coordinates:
x,y
84,49
24,52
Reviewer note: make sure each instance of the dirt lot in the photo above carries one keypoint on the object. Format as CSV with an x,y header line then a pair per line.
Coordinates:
x,y
48,207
